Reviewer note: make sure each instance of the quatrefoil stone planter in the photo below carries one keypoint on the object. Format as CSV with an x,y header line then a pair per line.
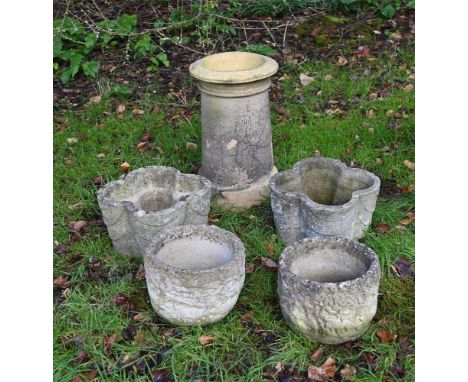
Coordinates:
x,y
328,288
194,274
323,197
150,200
237,151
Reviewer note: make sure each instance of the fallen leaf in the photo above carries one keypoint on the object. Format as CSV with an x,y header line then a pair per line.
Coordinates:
x,y
146,137
108,343
62,282
389,113
97,180
409,164
129,332
348,372
382,228
408,188
121,108
378,161
90,375
191,146
249,268
373,96
100,155
205,340
112,68
137,112
305,79
77,225
141,275
316,355
408,88
138,317
386,336
81,357
125,166
268,263
342,61
120,300
143,146
270,249
403,268
328,77
329,367
72,141
410,216
95,99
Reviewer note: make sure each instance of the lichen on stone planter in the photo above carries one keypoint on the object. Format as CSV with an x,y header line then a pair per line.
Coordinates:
x,y
236,129
150,200
328,288
194,274
323,197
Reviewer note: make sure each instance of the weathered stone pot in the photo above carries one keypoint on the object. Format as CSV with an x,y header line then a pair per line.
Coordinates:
x,y
328,288
194,274
150,200
236,130
323,197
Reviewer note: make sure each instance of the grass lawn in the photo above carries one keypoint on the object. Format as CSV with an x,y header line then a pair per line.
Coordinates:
x,y
339,117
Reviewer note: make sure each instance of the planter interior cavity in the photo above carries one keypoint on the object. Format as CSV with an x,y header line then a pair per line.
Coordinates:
x,y
194,274
236,142
323,197
150,200
195,253
328,288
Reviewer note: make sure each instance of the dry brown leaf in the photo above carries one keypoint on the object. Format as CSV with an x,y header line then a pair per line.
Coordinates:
x,y
408,188
373,96
125,167
409,164
408,88
382,228
249,268
328,77
121,108
95,99
61,282
77,225
268,263
305,79
90,375
137,112
410,216
342,61
72,141
205,340
329,367
316,355
270,249
100,155
348,372
138,317
386,336
315,373
108,343
143,146
191,146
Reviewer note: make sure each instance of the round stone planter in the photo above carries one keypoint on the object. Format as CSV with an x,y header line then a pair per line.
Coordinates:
x,y
328,288
150,200
194,274
323,197
236,130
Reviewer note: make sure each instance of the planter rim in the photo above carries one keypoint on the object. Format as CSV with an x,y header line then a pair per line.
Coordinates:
x,y
325,207
103,193
373,270
251,67
186,231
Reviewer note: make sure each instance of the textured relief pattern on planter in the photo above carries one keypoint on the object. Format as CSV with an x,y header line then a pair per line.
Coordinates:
x,y
149,200
338,307
188,288
323,197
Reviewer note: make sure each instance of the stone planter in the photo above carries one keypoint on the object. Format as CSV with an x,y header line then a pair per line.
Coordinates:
x,y
150,200
328,288
323,197
236,130
194,274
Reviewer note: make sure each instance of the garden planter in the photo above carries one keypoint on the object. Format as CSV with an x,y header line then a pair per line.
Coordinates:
x,y
149,200
328,288
194,274
323,197
236,130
